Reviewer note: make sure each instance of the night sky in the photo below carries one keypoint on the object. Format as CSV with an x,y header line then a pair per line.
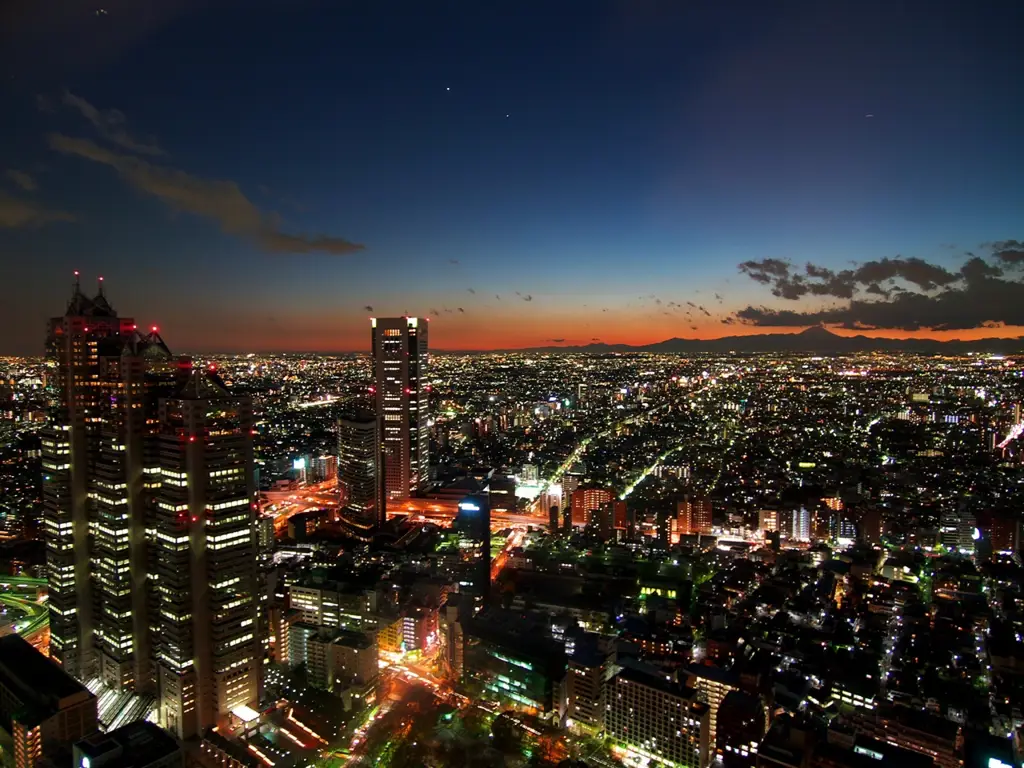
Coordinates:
x,y
264,176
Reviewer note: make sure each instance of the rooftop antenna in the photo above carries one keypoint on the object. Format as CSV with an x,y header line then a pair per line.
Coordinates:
x,y
99,281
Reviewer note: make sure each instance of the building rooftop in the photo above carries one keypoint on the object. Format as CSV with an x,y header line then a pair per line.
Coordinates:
x,y
136,744
716,674
35,680
660,682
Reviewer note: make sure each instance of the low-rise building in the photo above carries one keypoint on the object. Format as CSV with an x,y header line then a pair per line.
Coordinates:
x,y
137,745
43,710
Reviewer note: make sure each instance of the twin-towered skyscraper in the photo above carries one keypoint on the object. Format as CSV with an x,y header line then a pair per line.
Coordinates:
x,y
150,510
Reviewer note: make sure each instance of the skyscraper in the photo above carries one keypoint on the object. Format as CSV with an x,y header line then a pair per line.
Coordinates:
x,y
150,520
473,524
401,360
357,466
205,557
93,465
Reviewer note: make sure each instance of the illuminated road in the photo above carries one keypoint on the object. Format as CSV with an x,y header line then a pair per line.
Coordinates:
x,y
515,539
581,448
285,504
648,471
27,600
328,400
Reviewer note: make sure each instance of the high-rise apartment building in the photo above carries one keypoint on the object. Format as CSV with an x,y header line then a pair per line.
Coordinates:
x,y
795,524
587,501
400,361
655,720
150,521
323,469
768,520
357,466
693,516
712,685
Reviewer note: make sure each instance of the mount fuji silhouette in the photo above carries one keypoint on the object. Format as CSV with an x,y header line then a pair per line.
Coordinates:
x,y
814,340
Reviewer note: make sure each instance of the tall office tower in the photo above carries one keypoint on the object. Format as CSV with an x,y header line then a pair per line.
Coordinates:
x,y
357,467
208,645
401,361
80,485
473,524
150,523
122,473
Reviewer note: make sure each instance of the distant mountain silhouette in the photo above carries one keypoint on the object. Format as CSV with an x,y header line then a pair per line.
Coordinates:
x,y
816,339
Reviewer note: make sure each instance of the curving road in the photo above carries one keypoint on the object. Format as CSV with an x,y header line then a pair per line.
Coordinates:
x,y
21,593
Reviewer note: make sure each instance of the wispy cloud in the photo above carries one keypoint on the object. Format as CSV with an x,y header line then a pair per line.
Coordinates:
x,y
220,200
22,179
110,124
16,214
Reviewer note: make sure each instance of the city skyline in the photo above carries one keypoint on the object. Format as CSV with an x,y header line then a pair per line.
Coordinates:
x,y
602,196
414,385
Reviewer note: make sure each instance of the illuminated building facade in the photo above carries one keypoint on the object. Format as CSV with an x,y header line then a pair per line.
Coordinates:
x,y
357,466
586,501
205,557
693,516
768,520
86,345
150,521
401,361
473,524
656,720
522,669
712,685
795,524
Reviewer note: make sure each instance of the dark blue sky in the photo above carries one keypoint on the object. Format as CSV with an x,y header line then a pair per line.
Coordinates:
x,y
595,164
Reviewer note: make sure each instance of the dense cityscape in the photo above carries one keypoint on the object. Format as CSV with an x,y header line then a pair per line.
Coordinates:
x,y
404,558
606,384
